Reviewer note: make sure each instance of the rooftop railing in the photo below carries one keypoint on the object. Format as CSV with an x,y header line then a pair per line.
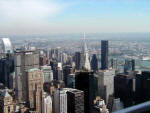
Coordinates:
x,y
141,108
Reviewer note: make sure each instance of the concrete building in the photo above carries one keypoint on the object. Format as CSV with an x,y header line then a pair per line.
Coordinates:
x,y
23,61
60,101
64,58
6,102
117,105
106,84
12,80
34,88
46,103
43,60
47,73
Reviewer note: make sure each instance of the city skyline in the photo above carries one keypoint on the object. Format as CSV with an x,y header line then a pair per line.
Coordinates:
x,y
49,65
68,16
49,79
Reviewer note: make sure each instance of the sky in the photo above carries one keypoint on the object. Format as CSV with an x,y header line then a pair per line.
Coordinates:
x,y
74,16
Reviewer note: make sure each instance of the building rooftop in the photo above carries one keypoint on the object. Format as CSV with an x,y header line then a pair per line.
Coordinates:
x,y
74,90
33,69
5,93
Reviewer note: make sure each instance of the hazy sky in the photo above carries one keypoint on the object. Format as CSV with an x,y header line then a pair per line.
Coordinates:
x,y
73,16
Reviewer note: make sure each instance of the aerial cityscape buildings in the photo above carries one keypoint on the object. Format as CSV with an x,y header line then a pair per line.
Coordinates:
x,y
74,56
55,80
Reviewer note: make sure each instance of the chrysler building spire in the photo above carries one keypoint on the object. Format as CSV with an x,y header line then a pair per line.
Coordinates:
x,y
84,62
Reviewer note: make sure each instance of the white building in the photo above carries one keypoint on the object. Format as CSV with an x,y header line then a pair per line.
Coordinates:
x,y
48,73
59,65
60,100
46,103
106,84
7,46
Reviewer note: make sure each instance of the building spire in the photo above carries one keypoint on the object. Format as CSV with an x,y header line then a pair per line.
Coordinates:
x,y
84,44
84,36
84,62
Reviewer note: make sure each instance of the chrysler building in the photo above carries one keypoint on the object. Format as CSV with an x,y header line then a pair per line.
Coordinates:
x,y
84,62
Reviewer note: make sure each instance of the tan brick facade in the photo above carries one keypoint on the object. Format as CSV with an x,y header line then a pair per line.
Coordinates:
x,y
35,88
6,103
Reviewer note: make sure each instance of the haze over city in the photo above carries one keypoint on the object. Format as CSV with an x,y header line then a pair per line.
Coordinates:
x,y
74,16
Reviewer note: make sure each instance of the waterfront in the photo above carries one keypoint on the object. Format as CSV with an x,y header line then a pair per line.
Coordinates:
x,y
146,64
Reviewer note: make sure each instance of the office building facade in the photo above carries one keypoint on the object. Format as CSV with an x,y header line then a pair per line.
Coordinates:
x,y
34,88
47,73
75,100
23,61
84,82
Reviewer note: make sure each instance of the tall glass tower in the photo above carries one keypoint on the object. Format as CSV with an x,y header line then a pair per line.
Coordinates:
x,y
104,54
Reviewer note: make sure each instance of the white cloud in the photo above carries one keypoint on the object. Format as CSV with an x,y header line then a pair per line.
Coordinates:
x,y
26,14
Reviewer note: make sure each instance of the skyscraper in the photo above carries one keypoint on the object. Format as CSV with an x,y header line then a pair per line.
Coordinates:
x,y
145,85
43,60
124,87
71,81
77,60
84,61
48,73
129,65
114,63
84,81
57,70
94,63
6,45
104,54
6,67
23,61
34,88
60,101
106,84
67,69
75,100
46,103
